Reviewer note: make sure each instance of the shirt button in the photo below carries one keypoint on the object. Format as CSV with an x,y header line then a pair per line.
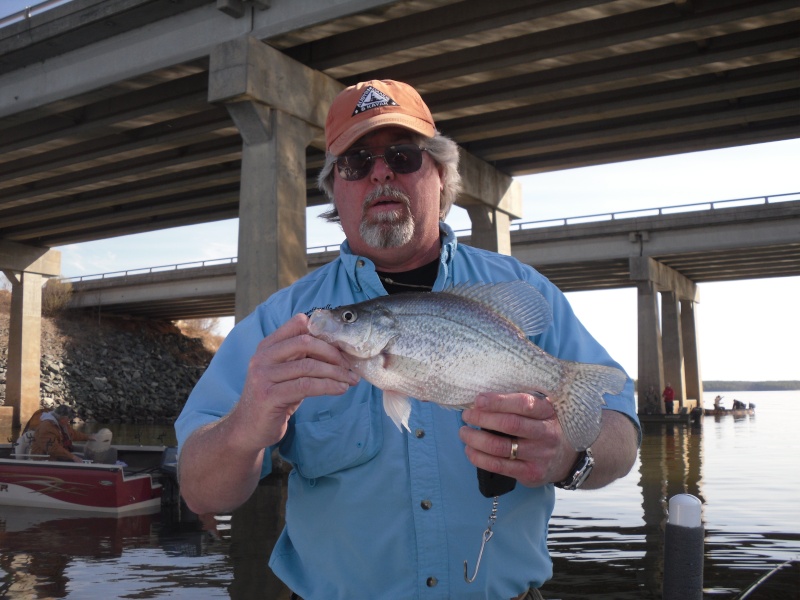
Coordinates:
x,y
360,263
426,504
420,433
432,581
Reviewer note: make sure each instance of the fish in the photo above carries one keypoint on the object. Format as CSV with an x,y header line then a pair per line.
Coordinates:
x,y
449,346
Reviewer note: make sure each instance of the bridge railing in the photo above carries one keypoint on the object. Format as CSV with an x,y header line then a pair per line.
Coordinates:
x,y
29,11
515,226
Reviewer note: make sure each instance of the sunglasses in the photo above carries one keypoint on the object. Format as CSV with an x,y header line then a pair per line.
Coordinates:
x,y
401,158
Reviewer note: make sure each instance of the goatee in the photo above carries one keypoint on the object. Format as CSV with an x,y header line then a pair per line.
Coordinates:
x,y
390,229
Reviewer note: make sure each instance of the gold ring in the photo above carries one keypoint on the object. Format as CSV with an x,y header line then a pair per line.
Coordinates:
x,y
514,448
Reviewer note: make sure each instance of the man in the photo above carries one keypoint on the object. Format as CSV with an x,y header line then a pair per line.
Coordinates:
x,y
372,512
54,435
669,397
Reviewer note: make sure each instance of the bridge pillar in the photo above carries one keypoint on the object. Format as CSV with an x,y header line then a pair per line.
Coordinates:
x,y
651,370
272,203
490,229
691,356
672,345
673,356
492,199
279,106
26,268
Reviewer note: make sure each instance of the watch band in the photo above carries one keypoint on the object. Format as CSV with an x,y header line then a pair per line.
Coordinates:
x,y
580,471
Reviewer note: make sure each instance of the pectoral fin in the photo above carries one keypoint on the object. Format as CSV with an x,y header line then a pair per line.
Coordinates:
x,y
398,407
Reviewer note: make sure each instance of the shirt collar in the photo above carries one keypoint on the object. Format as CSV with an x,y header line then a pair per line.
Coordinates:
x,y
361,270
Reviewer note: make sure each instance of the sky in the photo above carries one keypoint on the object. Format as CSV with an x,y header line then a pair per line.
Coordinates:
x,y
747,330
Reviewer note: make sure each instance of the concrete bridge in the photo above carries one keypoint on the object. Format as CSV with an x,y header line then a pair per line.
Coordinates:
x,y
149,115
666,251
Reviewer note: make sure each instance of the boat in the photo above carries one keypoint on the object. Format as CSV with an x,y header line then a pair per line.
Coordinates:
x,y
142,478
739,409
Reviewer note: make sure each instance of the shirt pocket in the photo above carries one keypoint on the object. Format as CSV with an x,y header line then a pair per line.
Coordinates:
x,y
338,437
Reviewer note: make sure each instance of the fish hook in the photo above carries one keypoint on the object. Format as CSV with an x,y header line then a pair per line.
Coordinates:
x,y
487,535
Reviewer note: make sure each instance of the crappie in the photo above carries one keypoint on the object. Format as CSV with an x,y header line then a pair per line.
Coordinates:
x,y
447,347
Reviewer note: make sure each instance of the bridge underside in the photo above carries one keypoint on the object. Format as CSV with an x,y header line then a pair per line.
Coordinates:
x,y
154,115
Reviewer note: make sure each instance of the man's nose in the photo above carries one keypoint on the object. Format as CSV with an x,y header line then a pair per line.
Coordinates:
x,y
380,170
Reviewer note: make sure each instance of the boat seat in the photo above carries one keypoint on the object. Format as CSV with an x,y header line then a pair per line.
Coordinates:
x,y
22,451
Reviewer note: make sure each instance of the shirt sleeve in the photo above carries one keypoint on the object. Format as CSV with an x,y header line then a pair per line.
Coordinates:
x,y
219,388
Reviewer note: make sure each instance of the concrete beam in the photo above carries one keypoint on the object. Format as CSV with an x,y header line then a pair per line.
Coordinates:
x,y
184,37
247,69
31,259
665,279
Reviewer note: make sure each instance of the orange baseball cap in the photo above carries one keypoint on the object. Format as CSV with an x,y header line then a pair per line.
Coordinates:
x,y
368,105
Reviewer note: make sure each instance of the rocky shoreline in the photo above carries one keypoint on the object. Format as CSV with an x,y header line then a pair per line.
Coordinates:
x,y
114,370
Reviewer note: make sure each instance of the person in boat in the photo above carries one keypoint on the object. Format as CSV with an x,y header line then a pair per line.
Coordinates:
x,y
669,398
54,435
718,403
372,512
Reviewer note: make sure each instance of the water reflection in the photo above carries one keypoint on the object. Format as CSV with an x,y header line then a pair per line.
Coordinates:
x,y
606,544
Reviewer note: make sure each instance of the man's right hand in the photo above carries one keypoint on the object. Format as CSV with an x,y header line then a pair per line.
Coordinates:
x,y
287,366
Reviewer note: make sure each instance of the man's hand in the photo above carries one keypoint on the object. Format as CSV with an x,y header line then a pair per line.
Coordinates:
x,y
288,365
220,464
543,453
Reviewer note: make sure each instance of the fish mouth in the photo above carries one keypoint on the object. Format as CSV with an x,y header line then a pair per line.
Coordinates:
x,y
323,325
319,325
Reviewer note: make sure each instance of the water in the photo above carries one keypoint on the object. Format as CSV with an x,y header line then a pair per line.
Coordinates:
x,y
605,544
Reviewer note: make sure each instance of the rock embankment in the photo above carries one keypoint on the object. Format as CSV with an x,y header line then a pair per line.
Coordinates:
x,y
113,370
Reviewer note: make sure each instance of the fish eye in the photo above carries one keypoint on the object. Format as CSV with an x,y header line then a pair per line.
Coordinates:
x,y
349,316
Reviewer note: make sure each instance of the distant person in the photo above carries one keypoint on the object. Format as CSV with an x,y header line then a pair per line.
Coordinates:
x,y
669,397
54,435
718,403
651,401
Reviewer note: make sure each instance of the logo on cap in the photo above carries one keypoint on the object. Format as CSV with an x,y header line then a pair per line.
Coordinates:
x,y
372,98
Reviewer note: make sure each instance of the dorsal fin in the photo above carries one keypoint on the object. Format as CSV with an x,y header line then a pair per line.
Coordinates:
x,y
517,301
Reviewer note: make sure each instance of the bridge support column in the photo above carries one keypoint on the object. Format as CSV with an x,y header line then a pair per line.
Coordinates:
x,y
667,356
491,199
279,106
691,356
651,370
26,268
272,202
490,229
672,345
24,346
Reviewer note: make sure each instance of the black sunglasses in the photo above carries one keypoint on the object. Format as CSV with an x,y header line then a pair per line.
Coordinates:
x,y
401,158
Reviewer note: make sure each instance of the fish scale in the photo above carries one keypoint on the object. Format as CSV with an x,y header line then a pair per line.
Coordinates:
x,y
448,347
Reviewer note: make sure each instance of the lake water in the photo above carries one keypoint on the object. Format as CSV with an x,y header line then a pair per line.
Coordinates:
x,y
606,544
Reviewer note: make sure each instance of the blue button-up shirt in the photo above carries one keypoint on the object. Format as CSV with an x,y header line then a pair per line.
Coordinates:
x,y
375,513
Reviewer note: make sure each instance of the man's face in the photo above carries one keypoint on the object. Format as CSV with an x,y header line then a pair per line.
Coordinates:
x,y
386,211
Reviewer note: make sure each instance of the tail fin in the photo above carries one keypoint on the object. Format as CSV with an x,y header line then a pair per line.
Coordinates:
x,y
579,401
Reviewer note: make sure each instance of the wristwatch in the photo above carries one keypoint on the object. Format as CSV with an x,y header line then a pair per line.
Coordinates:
x,y
580,471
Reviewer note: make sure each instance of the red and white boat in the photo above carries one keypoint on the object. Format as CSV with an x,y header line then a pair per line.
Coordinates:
x,y
87,487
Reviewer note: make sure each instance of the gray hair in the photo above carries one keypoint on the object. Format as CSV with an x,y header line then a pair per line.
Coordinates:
x,y
442,149
63,410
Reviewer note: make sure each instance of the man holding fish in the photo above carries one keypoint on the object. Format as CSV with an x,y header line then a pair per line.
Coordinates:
x,y
383,499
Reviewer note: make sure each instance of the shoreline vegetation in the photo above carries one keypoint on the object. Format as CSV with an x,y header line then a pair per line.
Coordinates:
x,y
750,386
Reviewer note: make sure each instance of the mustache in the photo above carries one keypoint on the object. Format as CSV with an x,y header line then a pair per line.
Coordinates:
x,y
386,191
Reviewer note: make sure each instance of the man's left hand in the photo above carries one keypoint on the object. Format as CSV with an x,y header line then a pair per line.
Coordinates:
x,y
543,453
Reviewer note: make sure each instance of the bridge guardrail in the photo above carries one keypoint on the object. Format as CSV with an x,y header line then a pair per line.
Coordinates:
x,y
515,226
